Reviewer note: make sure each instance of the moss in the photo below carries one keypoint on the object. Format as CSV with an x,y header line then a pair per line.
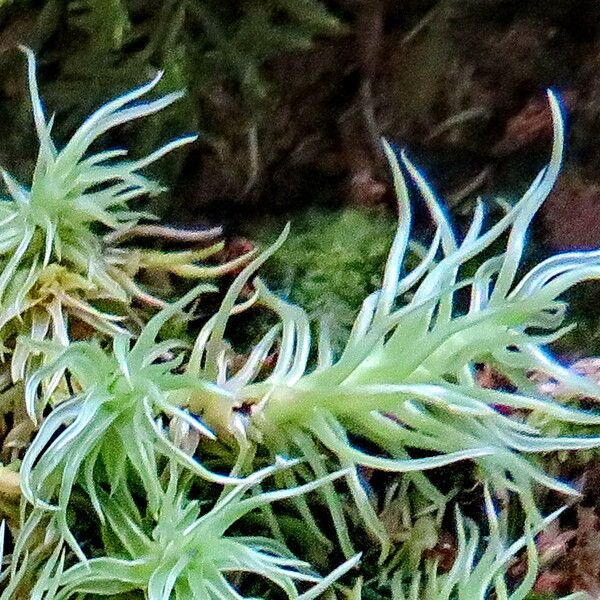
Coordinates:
x,y
332,261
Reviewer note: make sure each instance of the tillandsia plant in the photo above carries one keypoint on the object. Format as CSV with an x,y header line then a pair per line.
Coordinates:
x,y
477,576
188,554
53,261
405,384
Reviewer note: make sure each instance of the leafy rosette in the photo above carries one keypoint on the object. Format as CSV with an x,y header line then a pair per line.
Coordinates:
x,y
109,432
475,573
189,554
54,262
405,385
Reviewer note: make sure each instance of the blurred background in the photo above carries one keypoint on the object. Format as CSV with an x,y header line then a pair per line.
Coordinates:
x,y
291,97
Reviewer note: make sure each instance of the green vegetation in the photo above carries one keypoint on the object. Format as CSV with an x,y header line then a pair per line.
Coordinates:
x,y
215,50
53,261
330,262
160,469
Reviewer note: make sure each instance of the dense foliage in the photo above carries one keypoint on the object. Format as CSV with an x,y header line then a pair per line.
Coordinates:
x,y
178,455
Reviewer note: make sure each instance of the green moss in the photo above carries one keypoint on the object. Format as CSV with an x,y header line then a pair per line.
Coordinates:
x,y
331,261
216,50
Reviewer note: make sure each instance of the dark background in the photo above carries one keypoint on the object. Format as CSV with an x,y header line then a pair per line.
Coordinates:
x,y
291,96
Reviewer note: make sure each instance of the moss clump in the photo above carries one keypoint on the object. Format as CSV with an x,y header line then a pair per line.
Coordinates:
x,y
332,260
